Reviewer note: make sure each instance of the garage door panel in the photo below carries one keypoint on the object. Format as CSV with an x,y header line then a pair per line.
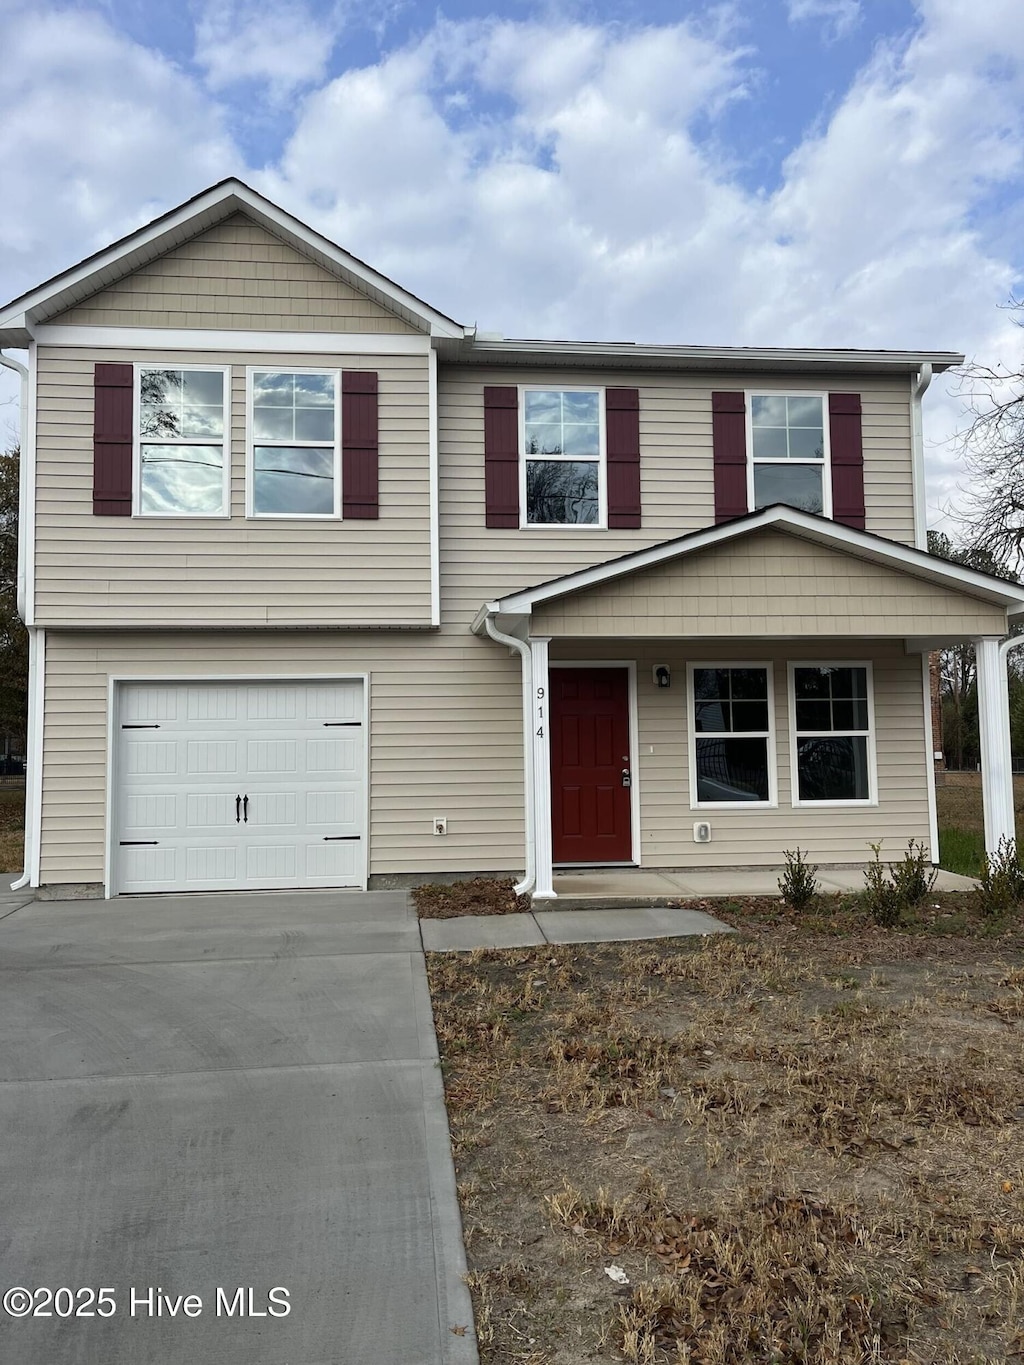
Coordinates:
x,y
179,789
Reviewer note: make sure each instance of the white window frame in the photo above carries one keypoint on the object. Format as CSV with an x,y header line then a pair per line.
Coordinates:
x,y
137,441
825,463
872,797
602,460
251,443
769,738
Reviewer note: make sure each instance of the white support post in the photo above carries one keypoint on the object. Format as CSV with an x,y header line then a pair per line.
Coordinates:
x,y
544,890
994,732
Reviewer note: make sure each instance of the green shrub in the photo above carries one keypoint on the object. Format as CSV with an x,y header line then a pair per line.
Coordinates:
x,y
798,885
1002,880
913,878
880,895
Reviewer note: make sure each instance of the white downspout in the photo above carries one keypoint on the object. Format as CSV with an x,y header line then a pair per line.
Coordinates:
x,y
33,718
919,387
524,887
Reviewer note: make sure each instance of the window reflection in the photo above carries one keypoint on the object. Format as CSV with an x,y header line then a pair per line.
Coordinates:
x,y
181,451
561,491
294,419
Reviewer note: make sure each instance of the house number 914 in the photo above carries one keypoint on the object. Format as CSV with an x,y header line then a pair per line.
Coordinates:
x,y
540,712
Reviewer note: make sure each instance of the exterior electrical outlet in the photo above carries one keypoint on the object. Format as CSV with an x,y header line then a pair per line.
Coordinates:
x,y
701,832
440,824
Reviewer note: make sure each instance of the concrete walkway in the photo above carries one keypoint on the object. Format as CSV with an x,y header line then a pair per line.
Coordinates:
x,y
224,1092
568,926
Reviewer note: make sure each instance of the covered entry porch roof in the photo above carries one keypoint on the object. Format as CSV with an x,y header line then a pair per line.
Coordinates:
x,y
776,573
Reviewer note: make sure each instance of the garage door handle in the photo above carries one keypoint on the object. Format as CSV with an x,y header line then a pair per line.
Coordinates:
x,y
245,808
238,810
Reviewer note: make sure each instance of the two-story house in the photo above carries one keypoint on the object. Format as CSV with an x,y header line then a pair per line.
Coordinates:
x,y
325,589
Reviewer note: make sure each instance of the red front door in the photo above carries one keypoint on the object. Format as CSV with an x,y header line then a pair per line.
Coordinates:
x,y
590,810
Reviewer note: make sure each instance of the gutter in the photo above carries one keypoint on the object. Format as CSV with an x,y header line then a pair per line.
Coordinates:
x,y
35,643
485,619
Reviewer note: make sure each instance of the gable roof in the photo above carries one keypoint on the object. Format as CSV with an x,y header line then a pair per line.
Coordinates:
x,y
861,544
187,221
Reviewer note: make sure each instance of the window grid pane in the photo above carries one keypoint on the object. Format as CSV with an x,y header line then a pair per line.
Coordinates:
x,y
832,733
181,442
731,735
562,423
295,435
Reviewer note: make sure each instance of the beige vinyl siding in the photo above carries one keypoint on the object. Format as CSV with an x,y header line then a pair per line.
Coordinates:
x,y
445,736
763,586
180,570
757,838
676,471
234,275
446,739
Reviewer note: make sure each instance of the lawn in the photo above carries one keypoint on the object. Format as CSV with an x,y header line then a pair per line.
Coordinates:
x,y
799,1144
12,828
961,821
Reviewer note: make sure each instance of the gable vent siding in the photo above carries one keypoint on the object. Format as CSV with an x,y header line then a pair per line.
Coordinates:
x,y
847,459
360,452
622,444
501,455
729,440
113,389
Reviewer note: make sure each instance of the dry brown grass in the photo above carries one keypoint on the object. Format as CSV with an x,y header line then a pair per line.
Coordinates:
x,y
474,896
799,1147
12,828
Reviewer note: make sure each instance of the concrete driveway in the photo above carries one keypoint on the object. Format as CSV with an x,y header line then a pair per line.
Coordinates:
x,y
222,1093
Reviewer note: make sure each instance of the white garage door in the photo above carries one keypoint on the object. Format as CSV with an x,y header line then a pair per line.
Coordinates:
x,y
239,786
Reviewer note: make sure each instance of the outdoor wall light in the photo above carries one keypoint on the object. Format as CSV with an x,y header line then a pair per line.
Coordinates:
x,y
662,675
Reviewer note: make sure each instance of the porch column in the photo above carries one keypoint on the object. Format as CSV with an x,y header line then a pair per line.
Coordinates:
x,y
994,733
544,890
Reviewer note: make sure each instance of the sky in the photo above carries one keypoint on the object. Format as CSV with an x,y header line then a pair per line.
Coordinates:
x,y
754,172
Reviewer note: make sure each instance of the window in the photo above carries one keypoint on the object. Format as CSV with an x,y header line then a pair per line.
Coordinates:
x,y
732,756
563,457
181,465
832,723
295,443
789,452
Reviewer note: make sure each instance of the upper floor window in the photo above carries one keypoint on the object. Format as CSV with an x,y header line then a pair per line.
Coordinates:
x,y
563,456
789,452
182,468
295,452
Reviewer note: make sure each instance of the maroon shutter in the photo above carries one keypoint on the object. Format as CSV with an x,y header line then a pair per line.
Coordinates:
x,y
112,434
359,445
729,439
501,455
847,459
622,420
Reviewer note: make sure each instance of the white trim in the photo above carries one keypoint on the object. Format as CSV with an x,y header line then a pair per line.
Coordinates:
x,y
224,443
929,760
250,444
28,472
795,799
435,491
541,689
994,736
116,680
824,464
818,529
770,738
188,220
634,743
602,460
206,339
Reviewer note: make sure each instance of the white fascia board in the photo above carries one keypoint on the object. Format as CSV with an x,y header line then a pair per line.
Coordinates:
x,y
830,534
170,230
206,339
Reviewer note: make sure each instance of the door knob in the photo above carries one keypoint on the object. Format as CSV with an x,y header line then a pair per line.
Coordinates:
x,y
627,780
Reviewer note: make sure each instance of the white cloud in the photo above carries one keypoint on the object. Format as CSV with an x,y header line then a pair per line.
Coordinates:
x,y
839,16
100,134
279,43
